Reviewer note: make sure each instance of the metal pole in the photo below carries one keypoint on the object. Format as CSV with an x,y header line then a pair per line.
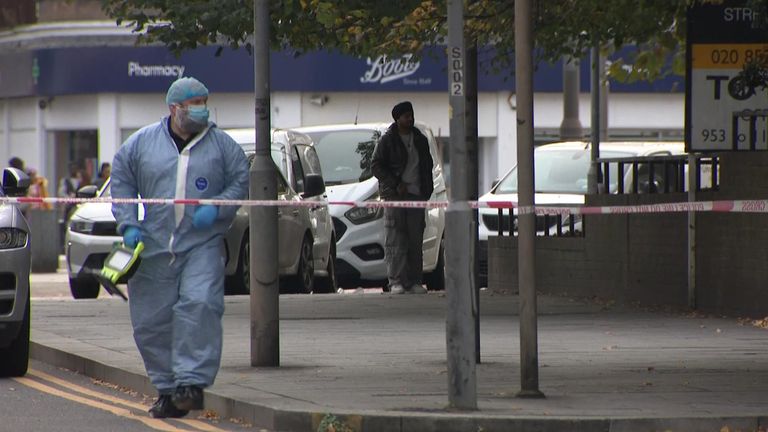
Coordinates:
x,y
605,88
526,252
460,325
592,177
472,177
692,171
265,307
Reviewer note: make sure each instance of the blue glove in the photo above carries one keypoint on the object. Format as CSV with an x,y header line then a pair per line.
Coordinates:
x,y
204,216
131,236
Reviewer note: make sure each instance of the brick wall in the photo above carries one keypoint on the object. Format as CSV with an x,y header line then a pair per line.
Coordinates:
x,y
70,10
732,265
16,12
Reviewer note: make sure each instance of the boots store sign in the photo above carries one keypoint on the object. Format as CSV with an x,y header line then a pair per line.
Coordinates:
x,y
383,70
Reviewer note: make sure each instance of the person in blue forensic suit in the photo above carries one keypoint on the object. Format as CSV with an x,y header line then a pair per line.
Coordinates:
x,y
176,296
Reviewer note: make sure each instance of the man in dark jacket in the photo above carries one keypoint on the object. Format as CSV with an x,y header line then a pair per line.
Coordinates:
x,y
402,164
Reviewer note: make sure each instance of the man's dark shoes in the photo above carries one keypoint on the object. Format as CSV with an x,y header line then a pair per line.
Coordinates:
x,y
164,408
188,398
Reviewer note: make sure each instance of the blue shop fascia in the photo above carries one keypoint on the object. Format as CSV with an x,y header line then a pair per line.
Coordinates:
x,y
150,69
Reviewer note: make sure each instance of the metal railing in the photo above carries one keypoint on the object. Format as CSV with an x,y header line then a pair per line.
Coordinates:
x,y
546,225
657,174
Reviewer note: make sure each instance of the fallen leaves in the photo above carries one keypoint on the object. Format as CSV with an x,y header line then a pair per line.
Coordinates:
x,y
762,323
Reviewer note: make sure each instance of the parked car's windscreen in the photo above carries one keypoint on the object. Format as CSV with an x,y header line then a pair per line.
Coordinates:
x,y
561,171
345,155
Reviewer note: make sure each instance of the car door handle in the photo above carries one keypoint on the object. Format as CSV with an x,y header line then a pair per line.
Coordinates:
x,y
295,212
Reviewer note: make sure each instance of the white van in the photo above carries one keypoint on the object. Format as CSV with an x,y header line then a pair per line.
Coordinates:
x,y
345,152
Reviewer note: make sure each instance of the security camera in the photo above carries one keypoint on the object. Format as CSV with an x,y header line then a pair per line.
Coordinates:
x,y
43,103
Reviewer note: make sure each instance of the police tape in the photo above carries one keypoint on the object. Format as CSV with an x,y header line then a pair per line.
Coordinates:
x,y
733,206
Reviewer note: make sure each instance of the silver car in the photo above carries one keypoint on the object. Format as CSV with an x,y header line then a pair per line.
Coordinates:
x,y
15,264
306,234
307,240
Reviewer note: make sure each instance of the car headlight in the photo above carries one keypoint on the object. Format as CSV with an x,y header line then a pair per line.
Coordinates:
x,y
361,215
11,238
81,226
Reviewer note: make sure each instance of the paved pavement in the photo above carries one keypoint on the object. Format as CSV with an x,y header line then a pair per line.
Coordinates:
x,y
378,361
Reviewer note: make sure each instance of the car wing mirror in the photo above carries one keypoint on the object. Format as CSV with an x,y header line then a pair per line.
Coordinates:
x,y
88,191
15,182
313,185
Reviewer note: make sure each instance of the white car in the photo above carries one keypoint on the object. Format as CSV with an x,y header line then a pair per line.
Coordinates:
x,y
90,234
561,180
345,152
306,245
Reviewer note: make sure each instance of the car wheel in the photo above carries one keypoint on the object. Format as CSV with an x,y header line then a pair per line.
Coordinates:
x,y
436,279
84,287
240,282
303,281
14,359
329,284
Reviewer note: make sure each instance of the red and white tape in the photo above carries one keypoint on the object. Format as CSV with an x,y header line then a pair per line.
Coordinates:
x,y
732,206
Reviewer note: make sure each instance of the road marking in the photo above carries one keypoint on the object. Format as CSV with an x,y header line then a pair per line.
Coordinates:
x,y
86,391
121,412
156,424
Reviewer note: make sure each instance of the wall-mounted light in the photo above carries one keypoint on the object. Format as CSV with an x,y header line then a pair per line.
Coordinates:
x,y
318,100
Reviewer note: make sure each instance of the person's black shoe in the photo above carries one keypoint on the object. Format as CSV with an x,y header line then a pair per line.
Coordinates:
x,y
164,408
188,398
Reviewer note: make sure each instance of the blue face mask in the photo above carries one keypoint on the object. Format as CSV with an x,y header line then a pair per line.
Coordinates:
x,y
193,118
198,113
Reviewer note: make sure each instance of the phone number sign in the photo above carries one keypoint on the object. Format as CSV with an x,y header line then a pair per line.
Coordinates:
x,y
724,113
